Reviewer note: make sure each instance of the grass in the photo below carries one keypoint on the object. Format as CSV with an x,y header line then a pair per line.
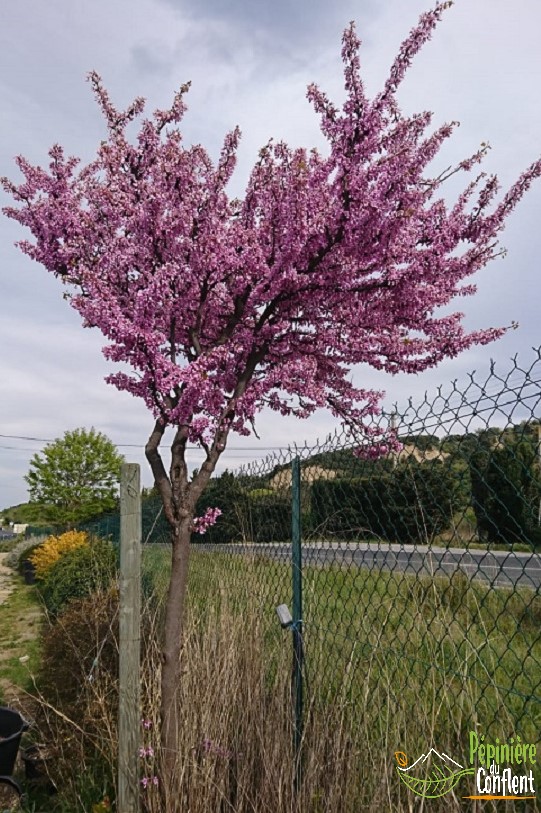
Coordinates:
x,y
20,616
393,663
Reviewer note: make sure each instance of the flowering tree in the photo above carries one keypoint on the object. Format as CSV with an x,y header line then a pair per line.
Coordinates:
x,y
222,307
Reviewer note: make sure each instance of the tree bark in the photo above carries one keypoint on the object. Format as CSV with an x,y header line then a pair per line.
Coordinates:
x,y
179,497
171,665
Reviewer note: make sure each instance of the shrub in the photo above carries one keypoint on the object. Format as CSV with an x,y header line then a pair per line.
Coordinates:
x,y
506,489
22,551
356,508
414,503
78,573
77,703
424,498
266,517
54,547
86,627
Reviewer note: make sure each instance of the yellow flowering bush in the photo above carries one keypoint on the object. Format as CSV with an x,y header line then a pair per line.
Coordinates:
x,y
50,551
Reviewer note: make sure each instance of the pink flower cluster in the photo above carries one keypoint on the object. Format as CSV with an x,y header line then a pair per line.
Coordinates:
x,y
213,748
209,518
221,306
149,781
146,752
376,447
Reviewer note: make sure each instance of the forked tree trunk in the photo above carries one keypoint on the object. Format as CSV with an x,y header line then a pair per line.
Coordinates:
x,y
180,496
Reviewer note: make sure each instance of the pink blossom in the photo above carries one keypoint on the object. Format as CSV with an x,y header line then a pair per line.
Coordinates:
x,y
146,781
209,518
146,751
216,308
382,444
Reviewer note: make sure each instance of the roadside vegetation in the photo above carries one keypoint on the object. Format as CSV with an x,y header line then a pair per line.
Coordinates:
x,y
20,647
393,663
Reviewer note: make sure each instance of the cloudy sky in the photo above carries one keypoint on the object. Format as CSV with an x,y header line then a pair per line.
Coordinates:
x,y
249,63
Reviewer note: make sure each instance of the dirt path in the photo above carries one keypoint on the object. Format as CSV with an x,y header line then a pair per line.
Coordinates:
x,y
6,578
20,621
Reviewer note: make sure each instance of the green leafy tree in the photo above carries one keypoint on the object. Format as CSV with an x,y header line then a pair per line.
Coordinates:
x,y
75,477
506,488
226,493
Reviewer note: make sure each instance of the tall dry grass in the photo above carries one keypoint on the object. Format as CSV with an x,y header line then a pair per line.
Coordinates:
x,y
236,731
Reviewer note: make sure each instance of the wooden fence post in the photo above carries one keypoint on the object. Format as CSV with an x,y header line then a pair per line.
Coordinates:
x,y
129,712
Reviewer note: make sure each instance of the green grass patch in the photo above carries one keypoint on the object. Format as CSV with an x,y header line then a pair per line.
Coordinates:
x,y
20,620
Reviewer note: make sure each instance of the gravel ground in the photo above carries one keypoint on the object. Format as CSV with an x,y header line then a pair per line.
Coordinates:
x,y
6,578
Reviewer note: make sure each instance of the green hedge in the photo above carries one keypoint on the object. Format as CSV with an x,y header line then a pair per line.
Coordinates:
x,y
506,490
267,517
79,573
413,503
248,515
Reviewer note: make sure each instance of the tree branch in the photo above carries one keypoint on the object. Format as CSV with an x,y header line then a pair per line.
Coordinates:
x,y
163,484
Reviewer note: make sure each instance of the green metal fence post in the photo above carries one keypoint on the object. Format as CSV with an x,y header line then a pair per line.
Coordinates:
x,y
298,654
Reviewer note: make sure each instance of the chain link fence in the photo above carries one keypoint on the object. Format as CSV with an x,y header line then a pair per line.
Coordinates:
x,y
420,587
415,600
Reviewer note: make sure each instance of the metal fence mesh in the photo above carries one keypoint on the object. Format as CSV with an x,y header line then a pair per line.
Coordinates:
x,y
421,606
420,580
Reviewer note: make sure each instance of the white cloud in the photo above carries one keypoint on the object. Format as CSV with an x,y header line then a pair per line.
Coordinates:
x,y
250,64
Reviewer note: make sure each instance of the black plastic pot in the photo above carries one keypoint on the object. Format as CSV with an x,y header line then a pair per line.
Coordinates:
x,y
35,758
10,793
12,725
29,572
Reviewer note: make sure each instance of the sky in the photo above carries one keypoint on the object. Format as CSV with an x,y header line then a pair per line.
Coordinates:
x,y
249,63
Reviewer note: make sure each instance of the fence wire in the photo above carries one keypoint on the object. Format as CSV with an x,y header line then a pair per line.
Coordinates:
x,y
421,574
421,582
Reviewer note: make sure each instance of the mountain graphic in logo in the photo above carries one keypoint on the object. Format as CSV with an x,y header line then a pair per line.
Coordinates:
x,y
431,775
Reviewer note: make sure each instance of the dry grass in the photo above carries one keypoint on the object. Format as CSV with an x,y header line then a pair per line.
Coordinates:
x,y
365,697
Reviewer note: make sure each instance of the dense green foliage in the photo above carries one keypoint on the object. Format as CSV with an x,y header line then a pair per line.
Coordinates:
x,y
248,513
506,488
26,513
413,503
75,477
79,573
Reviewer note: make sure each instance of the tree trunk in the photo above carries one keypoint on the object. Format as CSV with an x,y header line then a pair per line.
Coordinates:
x,y
179,497
171,665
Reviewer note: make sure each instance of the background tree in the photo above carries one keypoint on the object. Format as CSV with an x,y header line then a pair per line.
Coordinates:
x,y
76,477
223,307
506,486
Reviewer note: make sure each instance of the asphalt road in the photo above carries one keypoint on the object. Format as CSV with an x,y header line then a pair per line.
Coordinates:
x,y
500,568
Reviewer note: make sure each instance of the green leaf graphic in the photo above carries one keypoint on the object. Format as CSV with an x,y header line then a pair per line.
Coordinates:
x,y
436,784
